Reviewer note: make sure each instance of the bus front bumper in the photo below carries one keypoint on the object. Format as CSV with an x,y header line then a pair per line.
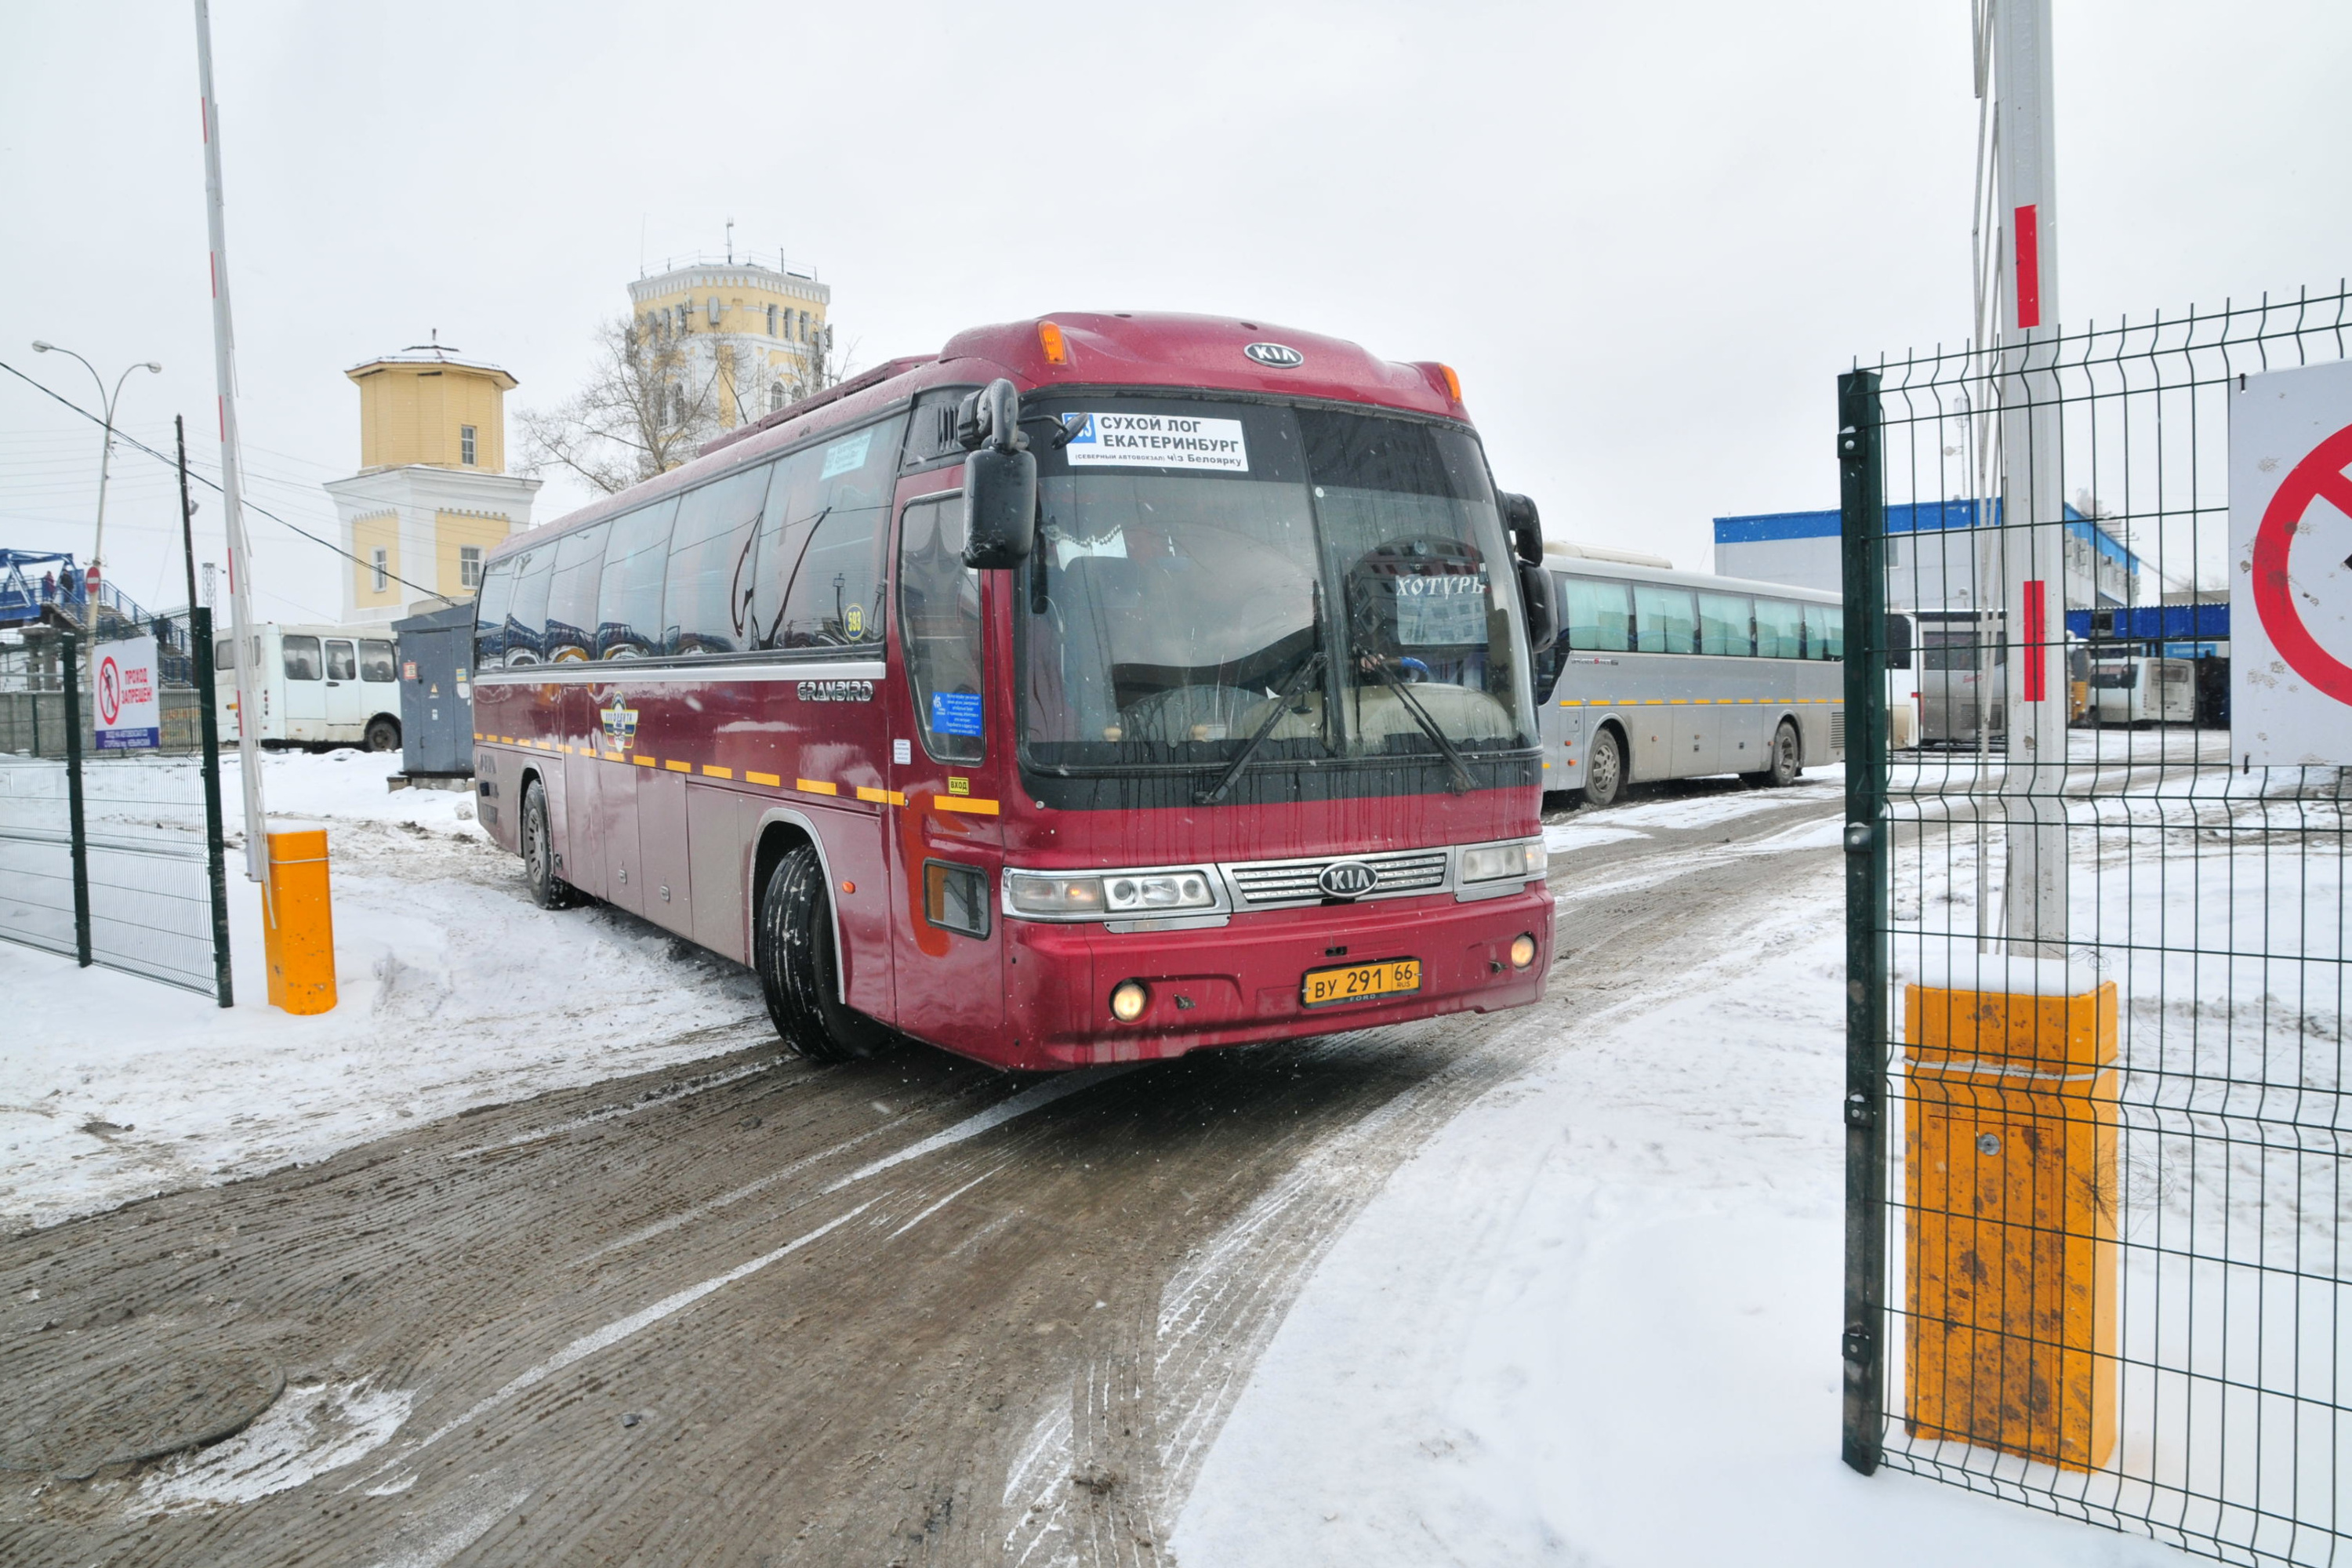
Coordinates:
x,y
1244,981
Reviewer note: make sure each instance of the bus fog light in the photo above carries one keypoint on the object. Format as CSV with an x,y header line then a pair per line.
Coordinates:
x,y
1523,951
1492,862
1159,891
1128,1001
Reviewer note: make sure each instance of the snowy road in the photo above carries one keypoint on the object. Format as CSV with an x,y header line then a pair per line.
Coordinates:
x,y
906,1311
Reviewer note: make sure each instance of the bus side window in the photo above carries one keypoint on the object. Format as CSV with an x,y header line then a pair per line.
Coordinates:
x,y
375,660
837,497
939,627
490,615
1825,632
703,608
342,660
1899,642
225,654
1780,630
1665,620
1726,623
629,598
301,654
1599,617
570,632
527,611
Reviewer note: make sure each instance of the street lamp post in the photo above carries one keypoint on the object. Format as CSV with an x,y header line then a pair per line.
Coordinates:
x,y
105,465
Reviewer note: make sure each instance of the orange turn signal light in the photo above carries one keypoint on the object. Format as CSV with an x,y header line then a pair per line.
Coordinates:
x,y
1049,338
1452,381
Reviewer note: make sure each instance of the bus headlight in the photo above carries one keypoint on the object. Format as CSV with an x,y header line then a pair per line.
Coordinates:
x,y
1128,999
1035,895
1494,862
1158,890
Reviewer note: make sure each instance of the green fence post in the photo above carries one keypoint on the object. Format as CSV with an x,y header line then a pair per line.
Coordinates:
x,y
200,637
77,838
1863,528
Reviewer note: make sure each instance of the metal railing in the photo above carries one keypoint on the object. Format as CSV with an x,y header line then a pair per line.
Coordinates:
x,y
110,858
2099,1233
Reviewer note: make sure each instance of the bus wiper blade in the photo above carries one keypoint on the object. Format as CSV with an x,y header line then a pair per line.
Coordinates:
x,y
1290,694
1461,782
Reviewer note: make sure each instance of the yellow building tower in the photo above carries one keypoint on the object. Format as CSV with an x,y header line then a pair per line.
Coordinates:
x,y
755,334
432,497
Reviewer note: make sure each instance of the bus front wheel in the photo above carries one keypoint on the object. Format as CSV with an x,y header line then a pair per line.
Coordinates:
x,y
1605,770
548,890
792,951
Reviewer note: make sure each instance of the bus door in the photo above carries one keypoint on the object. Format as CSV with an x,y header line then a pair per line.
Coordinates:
x,y
346,702
305,713
950,761
609,808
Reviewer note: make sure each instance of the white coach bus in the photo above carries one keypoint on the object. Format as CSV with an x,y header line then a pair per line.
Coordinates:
x,y
1661,673
314,686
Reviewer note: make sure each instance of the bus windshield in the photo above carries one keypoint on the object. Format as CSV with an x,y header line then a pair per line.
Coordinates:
x,y
1337,581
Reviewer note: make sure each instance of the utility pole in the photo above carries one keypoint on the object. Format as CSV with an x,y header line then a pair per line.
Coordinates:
x,y
107,403
240,554
2032,533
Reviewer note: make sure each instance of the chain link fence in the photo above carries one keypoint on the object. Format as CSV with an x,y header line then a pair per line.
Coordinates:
x,y
2097,1207
114,858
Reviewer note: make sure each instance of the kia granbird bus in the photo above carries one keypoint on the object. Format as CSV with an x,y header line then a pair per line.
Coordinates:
x,y
1101,689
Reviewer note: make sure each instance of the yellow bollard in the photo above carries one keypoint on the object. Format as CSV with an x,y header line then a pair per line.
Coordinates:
x,y
299,926
2011,1256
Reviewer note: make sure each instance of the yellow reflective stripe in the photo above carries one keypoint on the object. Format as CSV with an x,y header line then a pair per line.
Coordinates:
x,y
717,772
642,760
676,766
815,787
771,780
964,803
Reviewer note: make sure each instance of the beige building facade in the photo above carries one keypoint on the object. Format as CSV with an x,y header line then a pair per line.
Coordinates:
x,y
432,497
754,329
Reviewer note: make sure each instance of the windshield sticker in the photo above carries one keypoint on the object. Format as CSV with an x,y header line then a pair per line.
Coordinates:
x,y
1156,441
1441,611
847,454
1066,549
955,713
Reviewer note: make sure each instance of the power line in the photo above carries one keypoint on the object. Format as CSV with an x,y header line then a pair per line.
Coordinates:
x,y
134,441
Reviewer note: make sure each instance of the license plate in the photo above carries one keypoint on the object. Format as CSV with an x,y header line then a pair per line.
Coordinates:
x,y
1360,982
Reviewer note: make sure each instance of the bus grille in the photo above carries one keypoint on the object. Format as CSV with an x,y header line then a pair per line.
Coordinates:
x,y
1264,882
1837,729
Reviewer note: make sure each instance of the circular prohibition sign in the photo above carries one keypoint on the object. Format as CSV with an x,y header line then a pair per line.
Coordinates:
x,y
109,692
2319,477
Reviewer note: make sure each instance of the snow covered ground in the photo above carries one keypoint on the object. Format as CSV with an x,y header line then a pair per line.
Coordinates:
x,y
1594,1322
113,1088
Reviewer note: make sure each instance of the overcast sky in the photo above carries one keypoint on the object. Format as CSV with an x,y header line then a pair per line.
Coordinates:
x,y
1648,237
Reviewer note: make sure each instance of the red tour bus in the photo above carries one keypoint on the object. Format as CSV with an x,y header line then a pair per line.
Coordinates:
x,y
1100,688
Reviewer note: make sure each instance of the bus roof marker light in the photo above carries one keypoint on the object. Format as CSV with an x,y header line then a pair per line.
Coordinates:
x,y
1049,338
1452,381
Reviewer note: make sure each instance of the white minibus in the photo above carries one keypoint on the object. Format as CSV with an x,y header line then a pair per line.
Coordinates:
x,y
315,686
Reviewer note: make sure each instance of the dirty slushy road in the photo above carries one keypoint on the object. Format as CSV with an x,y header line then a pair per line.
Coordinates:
x,y
908,1311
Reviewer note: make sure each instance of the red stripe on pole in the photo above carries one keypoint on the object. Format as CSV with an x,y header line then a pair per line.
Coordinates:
x,y
2036,661
2029,268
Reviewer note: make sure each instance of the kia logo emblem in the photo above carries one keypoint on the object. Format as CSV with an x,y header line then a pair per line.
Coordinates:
x,y
1279,356
1347,878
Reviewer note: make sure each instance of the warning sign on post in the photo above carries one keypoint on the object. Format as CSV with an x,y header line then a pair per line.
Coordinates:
x,y
130,717
2291,567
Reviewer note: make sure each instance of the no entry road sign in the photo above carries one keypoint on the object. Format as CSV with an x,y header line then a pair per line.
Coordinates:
x,y
2291,559
130,714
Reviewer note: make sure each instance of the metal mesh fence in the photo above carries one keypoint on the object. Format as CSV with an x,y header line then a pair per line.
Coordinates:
x,y
113,857
2097,1254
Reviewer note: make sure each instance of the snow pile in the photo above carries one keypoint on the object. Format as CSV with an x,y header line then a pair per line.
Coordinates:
x,y
455,991
1595,1322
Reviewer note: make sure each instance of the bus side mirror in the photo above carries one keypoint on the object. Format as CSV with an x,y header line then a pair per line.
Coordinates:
x,y
1526,529
1543,610
1000,507
1000,482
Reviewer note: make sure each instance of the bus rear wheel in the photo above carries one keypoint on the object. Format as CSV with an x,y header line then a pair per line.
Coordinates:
x,y
799,974
382,734
1786,761
548,890
1605,770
